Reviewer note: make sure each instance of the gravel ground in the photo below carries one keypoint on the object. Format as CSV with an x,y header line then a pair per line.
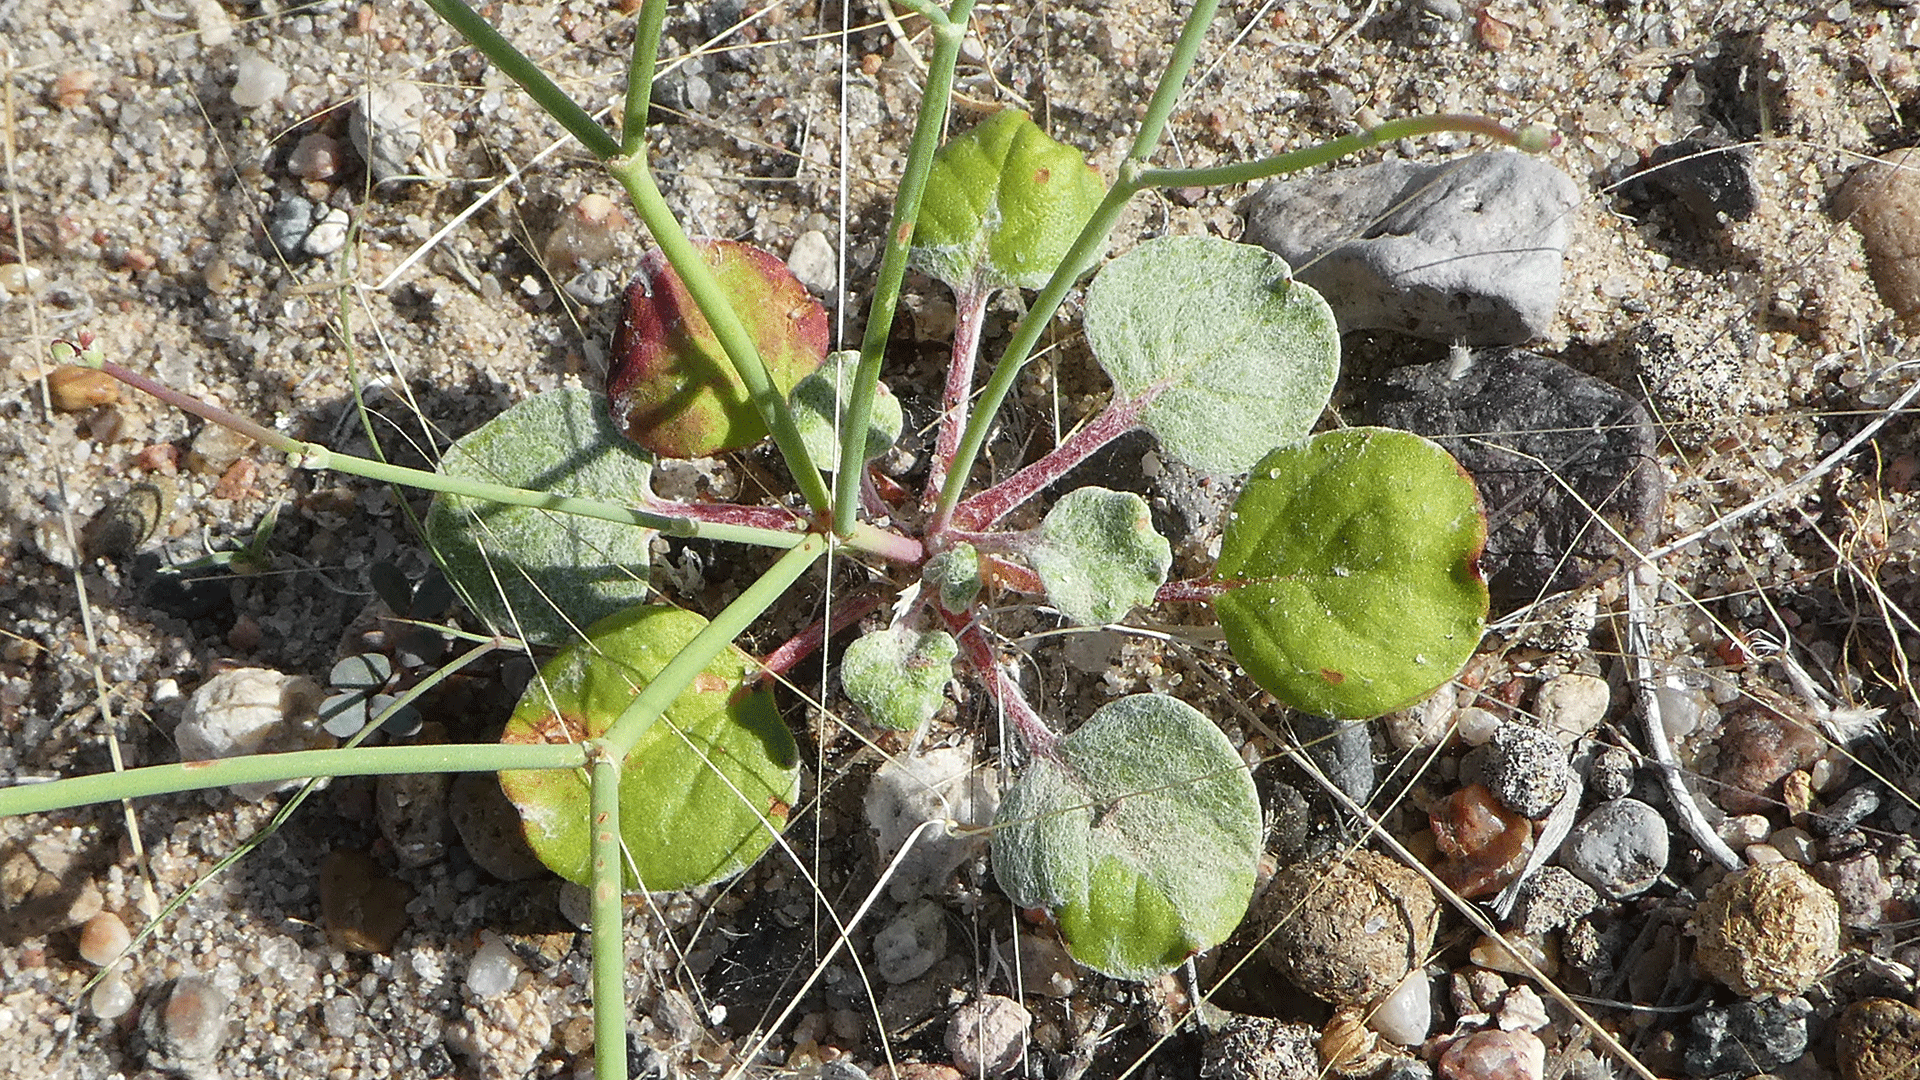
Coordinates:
x,y
154,155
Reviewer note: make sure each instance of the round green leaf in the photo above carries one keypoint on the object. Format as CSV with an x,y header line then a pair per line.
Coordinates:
x,y
1098,556
1141,837
820,400
1356,561
1004,202
520,568
1234,357
899,675
704,791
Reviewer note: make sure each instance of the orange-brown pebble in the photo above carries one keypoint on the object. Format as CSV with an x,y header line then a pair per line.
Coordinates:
x,y
77,388
1494,1055
1485,844
102,938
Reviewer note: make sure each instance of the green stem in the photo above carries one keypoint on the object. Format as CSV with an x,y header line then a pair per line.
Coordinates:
x,y
646,53
1334,149
654,698
948,34
633,174
308,455
518,67
273,768
606,917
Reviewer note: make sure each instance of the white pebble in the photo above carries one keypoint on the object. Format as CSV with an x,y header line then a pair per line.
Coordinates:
x,y
813,263
257,80
329,235
112,998
1406,1015
212,21
492,970
341,1014
1681,710
1476,725
250,711
1741,830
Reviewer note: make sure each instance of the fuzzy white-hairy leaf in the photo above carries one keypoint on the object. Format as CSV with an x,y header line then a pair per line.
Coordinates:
x,y
899,675
1240,357
1098,556
1141,836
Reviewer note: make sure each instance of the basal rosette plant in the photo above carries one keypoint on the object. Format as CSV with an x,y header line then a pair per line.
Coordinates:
x,y
648,754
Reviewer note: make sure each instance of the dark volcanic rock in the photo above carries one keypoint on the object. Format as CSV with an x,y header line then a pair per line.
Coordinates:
x,y
1544,442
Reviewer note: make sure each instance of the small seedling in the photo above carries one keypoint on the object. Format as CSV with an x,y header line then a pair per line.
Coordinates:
x,y
648,755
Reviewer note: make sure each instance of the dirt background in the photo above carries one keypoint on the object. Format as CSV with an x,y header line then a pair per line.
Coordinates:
x,y
137,197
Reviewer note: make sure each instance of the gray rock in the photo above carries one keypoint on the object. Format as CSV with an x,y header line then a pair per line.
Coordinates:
x,y
386,127
1748,1037
1851,808
1548,446
187,1027
912,943
1467,250
1343,750
1620,848
1527,770
1553,899
938,785
288,223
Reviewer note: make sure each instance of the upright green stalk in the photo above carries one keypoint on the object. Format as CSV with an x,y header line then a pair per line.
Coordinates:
x,y
646,53
949,31
605,914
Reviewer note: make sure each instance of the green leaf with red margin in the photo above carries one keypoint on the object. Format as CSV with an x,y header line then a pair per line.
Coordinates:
x,y
704,791
671,387
1355,564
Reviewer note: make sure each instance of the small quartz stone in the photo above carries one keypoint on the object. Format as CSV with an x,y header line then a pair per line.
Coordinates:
x,y
1494,1055
1768,929
251,711
493,969
988,1036
257,80
1485,844
102,938
1406,1015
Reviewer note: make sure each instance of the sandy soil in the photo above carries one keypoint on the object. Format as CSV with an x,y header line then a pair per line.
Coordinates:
x,y
137,200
